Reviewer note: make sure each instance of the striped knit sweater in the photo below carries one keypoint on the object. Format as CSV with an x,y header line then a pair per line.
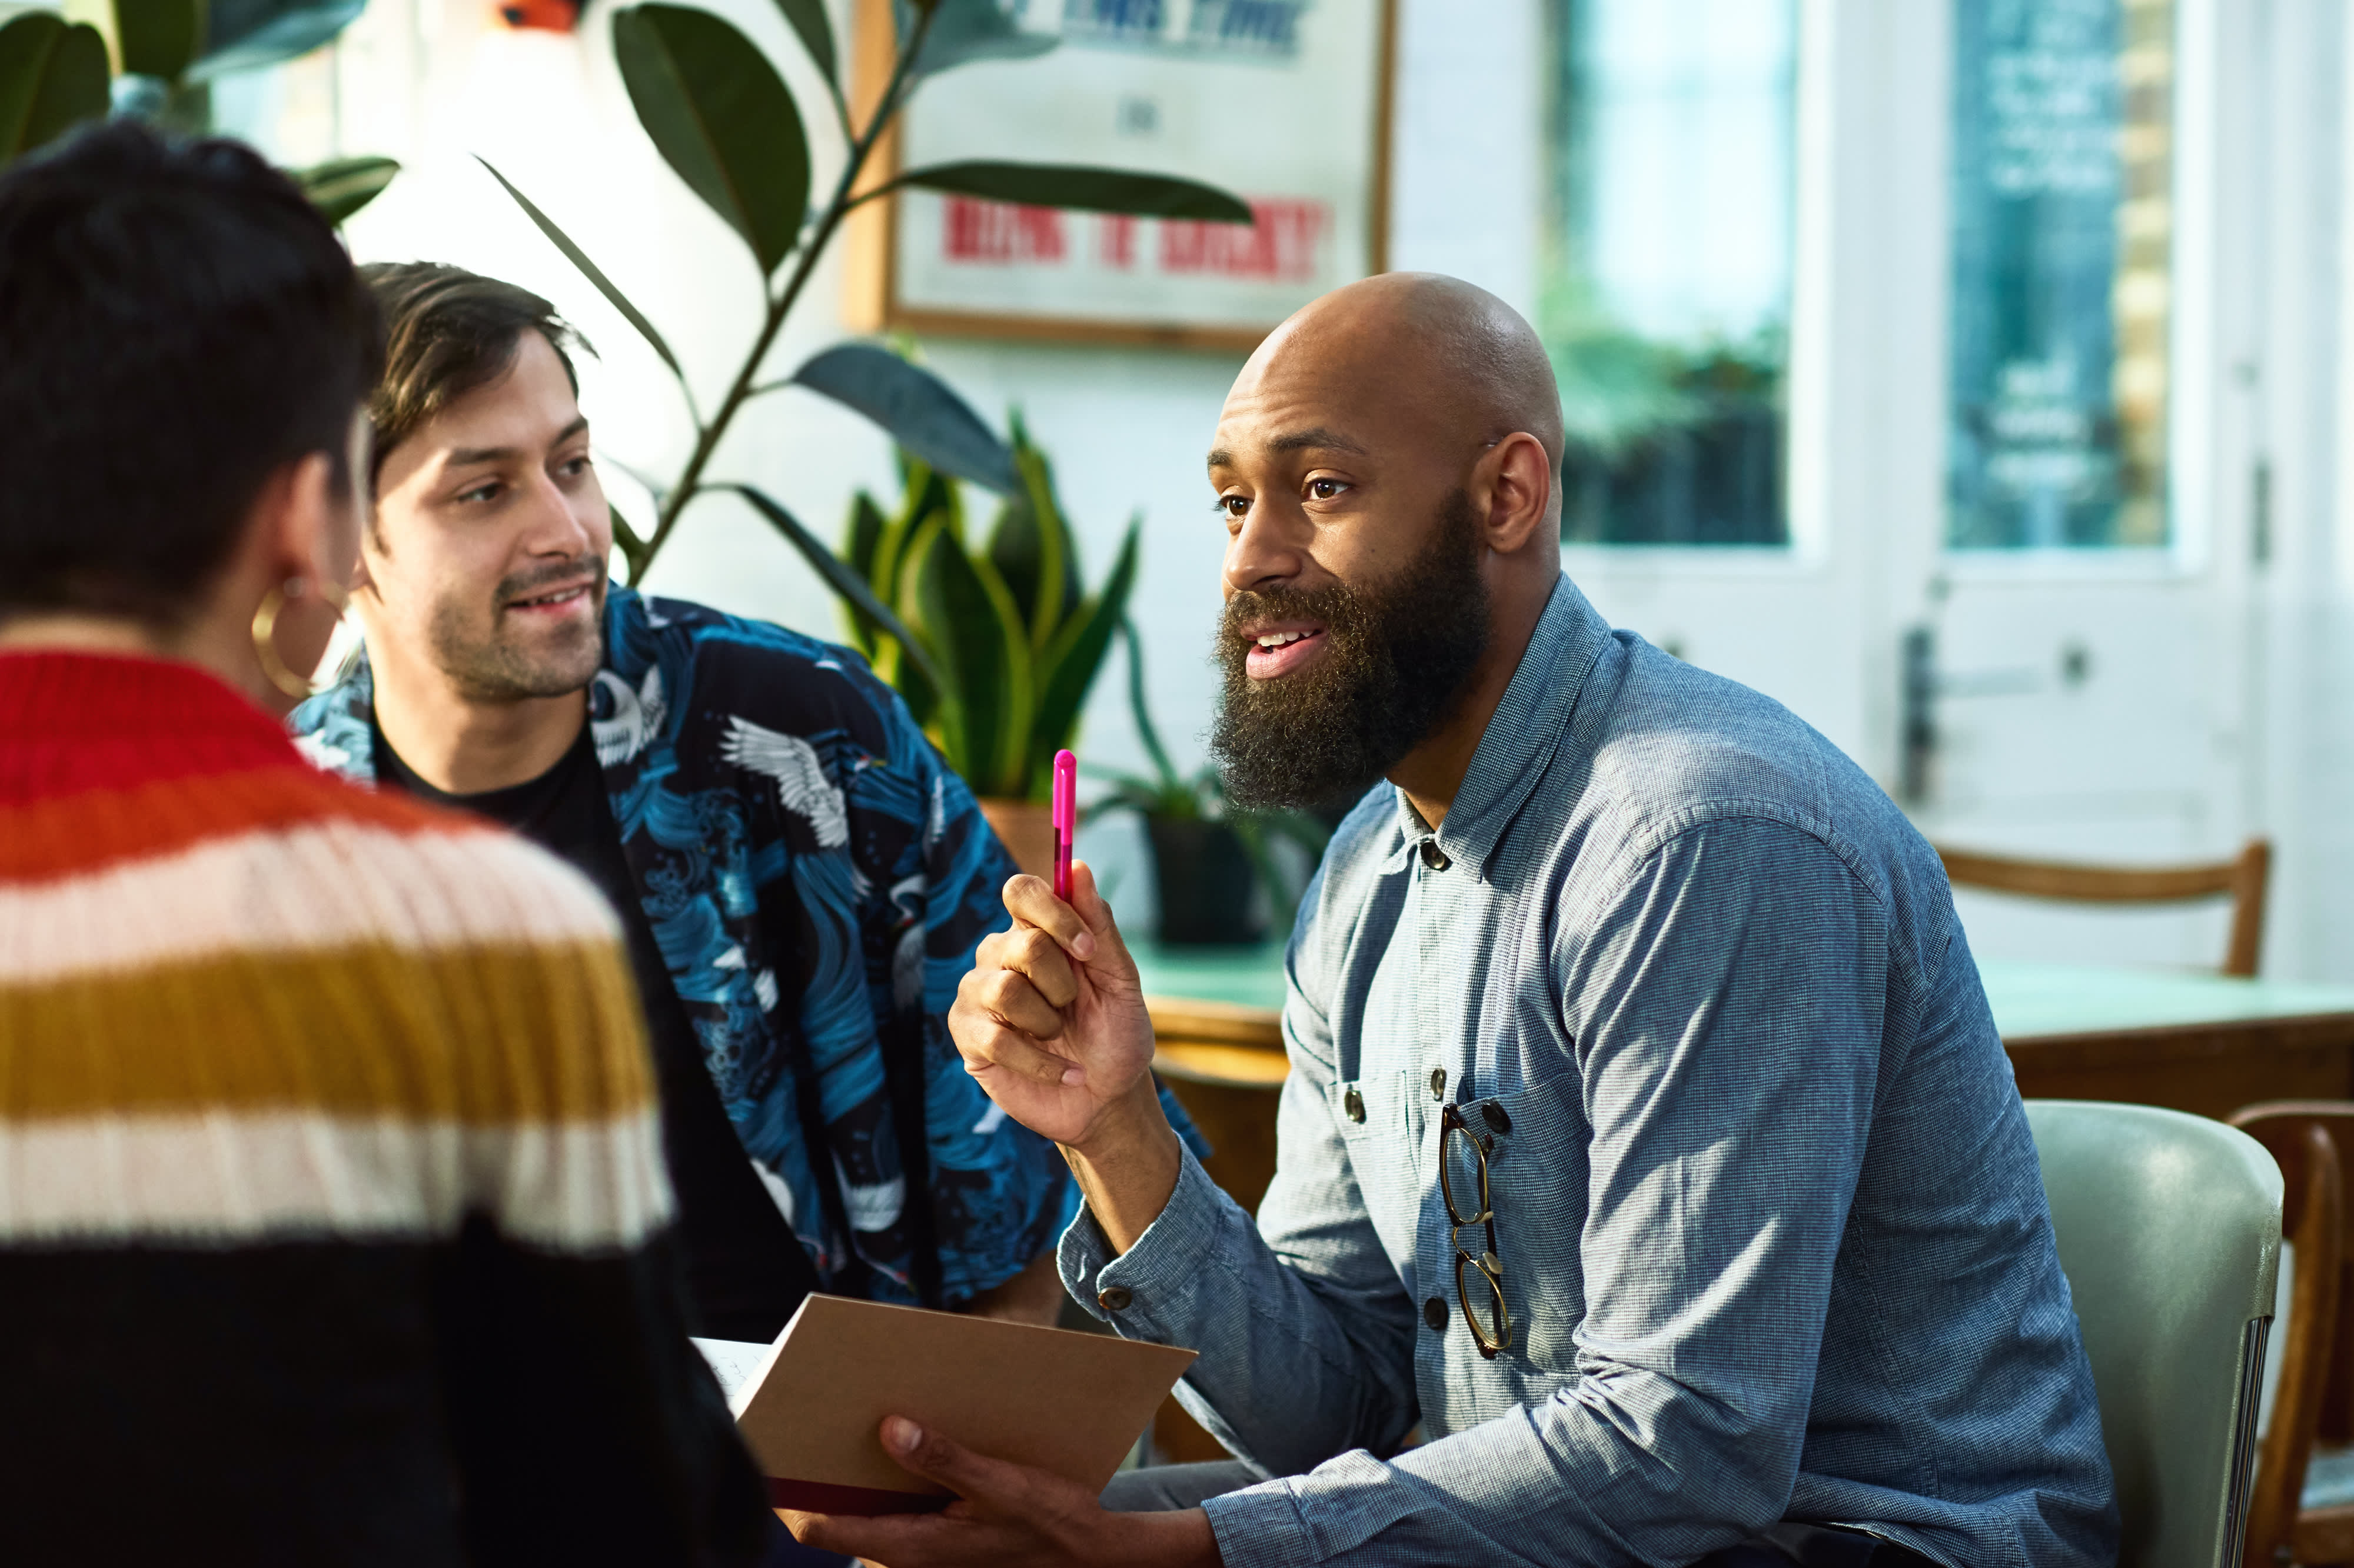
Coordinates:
x,y
332,1219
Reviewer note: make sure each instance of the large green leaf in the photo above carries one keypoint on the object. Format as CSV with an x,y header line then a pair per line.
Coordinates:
x,y
928,502
721,118
927,493
939,706
341,186
966,31
919,410
970,619
1031,545
808,20
1071,664
588,269
246,35
1083,187
861,539
837,577
53,76
1016,546
1058,548
864,536
160,37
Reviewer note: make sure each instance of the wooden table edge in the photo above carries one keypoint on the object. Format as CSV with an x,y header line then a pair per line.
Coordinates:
x,y
1219,1043
2180,1042
1230,1042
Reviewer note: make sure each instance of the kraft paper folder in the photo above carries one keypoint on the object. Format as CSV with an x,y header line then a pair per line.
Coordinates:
x,y
812,1408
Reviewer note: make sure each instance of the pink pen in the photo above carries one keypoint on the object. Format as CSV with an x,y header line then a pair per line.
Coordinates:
x,y
1067,819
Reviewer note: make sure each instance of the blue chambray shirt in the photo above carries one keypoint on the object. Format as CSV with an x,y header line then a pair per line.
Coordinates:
x,y
1773,1235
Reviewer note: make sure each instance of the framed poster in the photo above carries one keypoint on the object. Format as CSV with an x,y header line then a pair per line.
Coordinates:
x,y
1284,102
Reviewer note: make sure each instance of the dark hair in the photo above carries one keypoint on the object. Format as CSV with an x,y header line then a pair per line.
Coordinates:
x,y
447,331
177,323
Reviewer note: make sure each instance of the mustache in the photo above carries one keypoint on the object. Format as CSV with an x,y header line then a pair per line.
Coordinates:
x,y
1337,607
589,571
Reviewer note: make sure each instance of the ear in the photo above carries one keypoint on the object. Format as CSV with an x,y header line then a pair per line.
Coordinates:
x,y
1512,492
291,531
304,521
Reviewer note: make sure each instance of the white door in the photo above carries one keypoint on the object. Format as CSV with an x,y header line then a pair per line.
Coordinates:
x,y
2058,373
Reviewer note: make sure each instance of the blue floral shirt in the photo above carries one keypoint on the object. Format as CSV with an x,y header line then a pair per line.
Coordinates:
x,y
817,879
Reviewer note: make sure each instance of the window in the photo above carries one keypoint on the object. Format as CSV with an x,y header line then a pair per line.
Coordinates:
x,y
2063,238
1667,291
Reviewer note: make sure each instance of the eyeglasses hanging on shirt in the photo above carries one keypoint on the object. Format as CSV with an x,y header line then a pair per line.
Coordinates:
x,y
1463,1183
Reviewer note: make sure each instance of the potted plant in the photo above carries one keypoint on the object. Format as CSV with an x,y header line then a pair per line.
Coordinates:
x,y
723,120
996,642
1208,859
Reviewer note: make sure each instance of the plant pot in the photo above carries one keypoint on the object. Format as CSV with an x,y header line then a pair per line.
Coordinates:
x,y
1027,830
1206,883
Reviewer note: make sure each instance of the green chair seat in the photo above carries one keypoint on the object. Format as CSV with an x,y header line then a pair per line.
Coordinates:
x,y
2168,1228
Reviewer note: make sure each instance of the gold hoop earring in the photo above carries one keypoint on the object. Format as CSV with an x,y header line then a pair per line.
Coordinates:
x,y
265,629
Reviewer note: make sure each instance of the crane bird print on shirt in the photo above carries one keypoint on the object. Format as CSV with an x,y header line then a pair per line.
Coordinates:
x,y
636,718
802,783
907,955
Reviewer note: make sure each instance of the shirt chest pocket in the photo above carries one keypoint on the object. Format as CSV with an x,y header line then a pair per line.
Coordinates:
x,y
1535,1142
1381,1123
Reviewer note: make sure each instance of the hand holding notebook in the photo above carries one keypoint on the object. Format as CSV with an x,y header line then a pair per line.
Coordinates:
x,y
813,1405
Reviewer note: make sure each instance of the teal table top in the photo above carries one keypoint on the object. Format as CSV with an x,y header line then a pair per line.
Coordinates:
x,y
2033,998
1243,976
2030,998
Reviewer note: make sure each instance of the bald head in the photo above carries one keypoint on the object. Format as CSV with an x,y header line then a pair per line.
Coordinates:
x,y
1362,418
1452,357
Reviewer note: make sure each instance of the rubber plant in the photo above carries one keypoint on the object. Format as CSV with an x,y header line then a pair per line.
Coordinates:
x,y
722,118
998,641
56,74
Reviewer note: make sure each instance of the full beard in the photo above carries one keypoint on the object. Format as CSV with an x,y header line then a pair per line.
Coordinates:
x,y
496,669
1401,655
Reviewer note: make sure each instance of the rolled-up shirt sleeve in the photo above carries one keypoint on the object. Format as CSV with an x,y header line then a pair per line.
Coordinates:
x,y
1725,999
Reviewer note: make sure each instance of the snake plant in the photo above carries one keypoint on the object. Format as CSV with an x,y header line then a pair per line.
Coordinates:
x,y
1008,640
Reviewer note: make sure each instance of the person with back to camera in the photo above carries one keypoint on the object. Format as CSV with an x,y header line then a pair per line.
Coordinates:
x,y
1647,1142
333,1229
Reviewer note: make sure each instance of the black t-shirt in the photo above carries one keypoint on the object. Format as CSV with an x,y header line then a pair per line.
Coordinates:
x,y
745,1274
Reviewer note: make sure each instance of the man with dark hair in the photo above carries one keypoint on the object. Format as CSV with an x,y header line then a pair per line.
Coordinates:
x,y
802,879
333,1223
1647,1143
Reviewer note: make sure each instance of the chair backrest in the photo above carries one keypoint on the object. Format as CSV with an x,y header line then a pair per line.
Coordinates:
x,y
2302,1135
2242,879
2169,1229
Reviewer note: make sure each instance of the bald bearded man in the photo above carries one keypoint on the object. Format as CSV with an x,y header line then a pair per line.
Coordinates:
x,y
1648,1144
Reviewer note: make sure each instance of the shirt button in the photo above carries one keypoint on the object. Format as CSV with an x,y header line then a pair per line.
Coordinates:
x,y
1432,855
1438,1083
1433,1312
1114,1298
1493,1114
1355,1103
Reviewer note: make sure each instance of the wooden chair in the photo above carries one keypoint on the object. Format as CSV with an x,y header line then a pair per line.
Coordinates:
x,y
2302,1510
2242,879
